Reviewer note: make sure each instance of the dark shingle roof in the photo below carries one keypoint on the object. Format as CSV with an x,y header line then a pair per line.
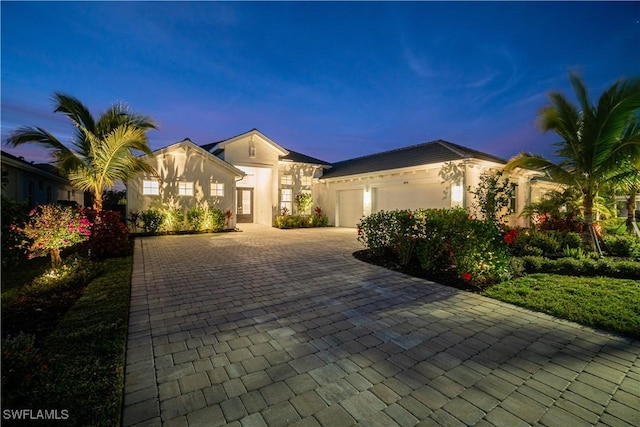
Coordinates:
x,y
294,156
415,155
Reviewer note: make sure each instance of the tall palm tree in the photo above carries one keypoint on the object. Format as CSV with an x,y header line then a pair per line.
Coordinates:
x,y
597,140
101,152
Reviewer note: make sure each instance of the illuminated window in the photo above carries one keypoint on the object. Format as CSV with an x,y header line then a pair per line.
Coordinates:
x,y
286,199
286,180
217,189
185,188
150,187
306,180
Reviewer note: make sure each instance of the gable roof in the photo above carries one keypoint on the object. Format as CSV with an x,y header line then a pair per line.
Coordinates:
x,y
294,156
216,148
192,145
415,155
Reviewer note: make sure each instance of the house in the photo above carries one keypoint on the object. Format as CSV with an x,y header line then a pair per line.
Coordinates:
x,y
186,175
36,183
261,178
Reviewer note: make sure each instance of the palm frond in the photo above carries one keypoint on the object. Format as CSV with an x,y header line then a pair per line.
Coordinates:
x,y
75,110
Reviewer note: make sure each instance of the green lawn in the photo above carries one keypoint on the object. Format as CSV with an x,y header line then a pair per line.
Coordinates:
x,y
600,302
79,364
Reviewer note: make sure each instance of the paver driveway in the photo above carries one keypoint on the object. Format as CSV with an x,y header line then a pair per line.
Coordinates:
x,y
278,327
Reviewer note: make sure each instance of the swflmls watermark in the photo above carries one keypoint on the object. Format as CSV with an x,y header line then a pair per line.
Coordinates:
x,y
35,414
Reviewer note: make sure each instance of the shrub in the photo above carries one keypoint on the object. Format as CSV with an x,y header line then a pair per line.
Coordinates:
x,y
197,218
73,273
152,220
572,239
627,246
51,228
13,213
21,362
109,235
174,219
319,219
441,239
532,242
303,202
216,219
587,267
576,253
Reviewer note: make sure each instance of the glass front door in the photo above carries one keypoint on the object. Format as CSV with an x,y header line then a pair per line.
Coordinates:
x,y
244,208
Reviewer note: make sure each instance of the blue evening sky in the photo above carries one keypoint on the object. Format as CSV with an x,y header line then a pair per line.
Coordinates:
x,y
332,80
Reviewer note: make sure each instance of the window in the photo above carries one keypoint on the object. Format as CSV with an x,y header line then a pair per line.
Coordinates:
x,y
514,197
306,180
217,189
286,180
286,199
252,149
150,187
185,188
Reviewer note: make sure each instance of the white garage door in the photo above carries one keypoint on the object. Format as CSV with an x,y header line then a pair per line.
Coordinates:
x,y
409,197
349,207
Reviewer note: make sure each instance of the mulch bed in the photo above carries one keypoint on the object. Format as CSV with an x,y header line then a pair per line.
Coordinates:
x,y
447,278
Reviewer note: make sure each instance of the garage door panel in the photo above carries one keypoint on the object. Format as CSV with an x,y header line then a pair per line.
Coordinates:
x,y
350,207
410,197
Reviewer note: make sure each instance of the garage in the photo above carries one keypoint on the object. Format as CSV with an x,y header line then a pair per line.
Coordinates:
x,y
409,197
349,207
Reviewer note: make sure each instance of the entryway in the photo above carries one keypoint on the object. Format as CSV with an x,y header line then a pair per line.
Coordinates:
x,y
244,207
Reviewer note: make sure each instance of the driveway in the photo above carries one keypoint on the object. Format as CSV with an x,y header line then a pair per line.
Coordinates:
x,y
284,327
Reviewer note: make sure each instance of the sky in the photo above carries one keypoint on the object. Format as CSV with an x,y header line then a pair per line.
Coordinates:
x,y
332,80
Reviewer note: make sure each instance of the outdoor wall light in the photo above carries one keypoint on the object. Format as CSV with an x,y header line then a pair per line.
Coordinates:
x,y
456,193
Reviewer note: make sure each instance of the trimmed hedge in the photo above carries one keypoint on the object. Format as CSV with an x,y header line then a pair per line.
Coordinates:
x,y
582,267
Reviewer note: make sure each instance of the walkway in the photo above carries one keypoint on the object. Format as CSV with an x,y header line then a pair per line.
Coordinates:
x,y
284,327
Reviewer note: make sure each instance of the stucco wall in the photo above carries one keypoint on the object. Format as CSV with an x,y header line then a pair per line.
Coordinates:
x,y
183,163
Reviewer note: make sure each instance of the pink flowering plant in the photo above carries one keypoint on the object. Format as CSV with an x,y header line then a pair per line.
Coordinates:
x,y
51,228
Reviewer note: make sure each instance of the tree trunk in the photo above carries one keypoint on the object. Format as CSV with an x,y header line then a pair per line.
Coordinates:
x,y
631,210
97,203
56,259
587,224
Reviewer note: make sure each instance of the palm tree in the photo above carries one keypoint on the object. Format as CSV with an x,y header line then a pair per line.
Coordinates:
x,y
597,140
101,152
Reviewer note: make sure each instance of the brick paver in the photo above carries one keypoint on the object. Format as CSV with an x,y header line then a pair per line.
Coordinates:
x,y
284,327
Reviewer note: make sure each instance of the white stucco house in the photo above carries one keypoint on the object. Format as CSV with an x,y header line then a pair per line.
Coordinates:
x,y
256,178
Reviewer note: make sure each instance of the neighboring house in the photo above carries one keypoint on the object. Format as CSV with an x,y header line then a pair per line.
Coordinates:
x,y
37,183
262,178
186,175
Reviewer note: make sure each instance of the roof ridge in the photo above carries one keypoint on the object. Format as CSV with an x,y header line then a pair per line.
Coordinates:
x,y
452,147
392,150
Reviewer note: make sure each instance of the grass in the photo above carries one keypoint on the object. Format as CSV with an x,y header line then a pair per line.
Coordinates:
x,y
79,365
599,302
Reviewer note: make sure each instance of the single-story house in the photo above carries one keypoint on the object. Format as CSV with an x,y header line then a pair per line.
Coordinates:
x,y
256,178
36,183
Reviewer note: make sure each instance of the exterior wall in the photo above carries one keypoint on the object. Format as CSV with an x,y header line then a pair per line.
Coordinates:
x,y
417,187
297,172
27,183
183,163
259,159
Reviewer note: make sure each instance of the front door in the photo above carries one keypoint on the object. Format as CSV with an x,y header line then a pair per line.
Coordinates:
x,y
244,211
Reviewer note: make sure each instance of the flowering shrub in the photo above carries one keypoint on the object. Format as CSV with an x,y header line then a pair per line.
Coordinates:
x,y
51,228
109,235
152,220
441,240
